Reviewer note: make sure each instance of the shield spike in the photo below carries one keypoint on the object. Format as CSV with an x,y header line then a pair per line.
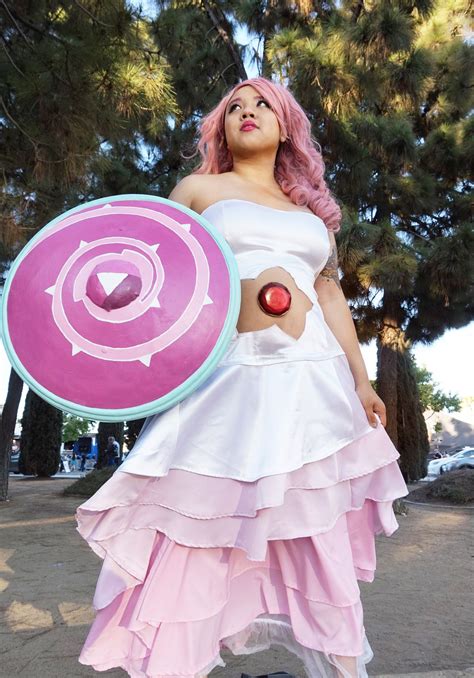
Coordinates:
x,y
51,290
146,360
207,300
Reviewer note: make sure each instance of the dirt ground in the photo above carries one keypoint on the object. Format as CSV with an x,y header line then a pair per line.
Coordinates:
x,y
418,611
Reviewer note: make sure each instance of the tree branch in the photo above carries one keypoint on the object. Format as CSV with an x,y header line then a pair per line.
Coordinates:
x,y
13,17
357,10
10,58
90,15
235,56
17,125
37,29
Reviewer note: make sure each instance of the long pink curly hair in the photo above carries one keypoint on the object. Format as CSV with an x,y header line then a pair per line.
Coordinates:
x,y
299,167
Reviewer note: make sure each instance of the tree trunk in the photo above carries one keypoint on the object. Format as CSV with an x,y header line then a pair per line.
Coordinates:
x,y
133,431
266,63
7,429
218,19
387,349
413,442
42,426
396,385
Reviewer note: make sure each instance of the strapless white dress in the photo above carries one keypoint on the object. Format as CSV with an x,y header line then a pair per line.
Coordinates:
x,y
244,516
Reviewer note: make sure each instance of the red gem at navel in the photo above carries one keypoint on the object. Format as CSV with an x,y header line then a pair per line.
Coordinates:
x,y
274,299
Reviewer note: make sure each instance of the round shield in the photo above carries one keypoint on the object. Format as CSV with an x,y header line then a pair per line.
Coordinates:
x,y
121,307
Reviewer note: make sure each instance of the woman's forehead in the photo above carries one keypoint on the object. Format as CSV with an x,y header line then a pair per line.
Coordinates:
x,y
245,92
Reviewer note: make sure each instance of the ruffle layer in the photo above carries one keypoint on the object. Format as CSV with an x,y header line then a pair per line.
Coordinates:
x,y
204,512
191,603
261,635
194,564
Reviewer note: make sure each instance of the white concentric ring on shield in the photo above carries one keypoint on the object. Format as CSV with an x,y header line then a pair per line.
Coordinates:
x,y
145,350
150,266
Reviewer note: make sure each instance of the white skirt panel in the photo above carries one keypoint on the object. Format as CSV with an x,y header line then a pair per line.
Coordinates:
x,y
273,404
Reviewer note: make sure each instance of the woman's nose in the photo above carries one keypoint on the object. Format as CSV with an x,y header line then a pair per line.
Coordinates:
x,y
246,112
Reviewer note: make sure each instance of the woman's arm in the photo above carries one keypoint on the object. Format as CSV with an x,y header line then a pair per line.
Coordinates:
x,y
339,319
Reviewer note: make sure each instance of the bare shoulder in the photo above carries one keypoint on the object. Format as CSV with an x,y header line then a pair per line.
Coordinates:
x,y
185,190
193,189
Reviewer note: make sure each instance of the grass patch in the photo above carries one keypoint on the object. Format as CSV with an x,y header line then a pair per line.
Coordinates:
x,y
87,486
453,487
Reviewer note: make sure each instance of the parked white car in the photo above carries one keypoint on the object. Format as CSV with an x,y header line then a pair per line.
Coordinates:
x,y
463,459
434,466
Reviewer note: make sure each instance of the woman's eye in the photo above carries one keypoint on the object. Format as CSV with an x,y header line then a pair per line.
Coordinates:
x,y
233,106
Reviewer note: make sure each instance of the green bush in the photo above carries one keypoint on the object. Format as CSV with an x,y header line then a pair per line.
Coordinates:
x,y
87,486
455,487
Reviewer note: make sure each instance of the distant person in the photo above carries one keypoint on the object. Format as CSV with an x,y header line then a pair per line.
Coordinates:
x,y
112,453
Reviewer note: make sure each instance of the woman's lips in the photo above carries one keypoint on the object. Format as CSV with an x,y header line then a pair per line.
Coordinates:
x,y
248,127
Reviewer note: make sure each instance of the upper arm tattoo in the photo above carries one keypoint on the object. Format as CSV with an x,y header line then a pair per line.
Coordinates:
x,y
330,271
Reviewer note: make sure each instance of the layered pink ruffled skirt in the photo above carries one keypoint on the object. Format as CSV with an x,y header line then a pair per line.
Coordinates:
x,y
244,518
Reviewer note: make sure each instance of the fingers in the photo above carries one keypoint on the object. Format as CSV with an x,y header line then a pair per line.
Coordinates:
x,y
375,412
379,408
371,416
374,407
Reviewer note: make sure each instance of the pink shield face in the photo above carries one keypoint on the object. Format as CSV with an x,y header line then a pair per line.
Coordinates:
x,y
118,304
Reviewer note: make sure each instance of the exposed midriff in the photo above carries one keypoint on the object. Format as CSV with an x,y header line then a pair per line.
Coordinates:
x,y
252,317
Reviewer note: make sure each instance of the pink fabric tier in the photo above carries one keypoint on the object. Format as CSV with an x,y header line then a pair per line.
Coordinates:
x,y
194,563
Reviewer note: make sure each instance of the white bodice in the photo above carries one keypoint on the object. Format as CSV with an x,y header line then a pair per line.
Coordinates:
x,y
263,237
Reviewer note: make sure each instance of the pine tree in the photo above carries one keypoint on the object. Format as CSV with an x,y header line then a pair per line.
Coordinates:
x,y
41,437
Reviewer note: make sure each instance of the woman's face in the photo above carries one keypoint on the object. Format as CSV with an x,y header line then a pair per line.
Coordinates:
x,y
250,124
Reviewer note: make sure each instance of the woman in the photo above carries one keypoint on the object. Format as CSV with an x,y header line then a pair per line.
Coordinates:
x,y
244,516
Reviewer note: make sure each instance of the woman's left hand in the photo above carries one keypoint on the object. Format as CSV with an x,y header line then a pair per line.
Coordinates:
x,y
372,404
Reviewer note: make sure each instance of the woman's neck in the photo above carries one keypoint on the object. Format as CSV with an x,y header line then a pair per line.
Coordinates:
x,y
258,172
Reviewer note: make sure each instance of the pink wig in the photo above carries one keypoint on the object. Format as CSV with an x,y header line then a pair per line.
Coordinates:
x,y
299,167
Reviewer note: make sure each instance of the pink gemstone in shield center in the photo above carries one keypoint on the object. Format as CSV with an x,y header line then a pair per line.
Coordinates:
x,y
114,284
